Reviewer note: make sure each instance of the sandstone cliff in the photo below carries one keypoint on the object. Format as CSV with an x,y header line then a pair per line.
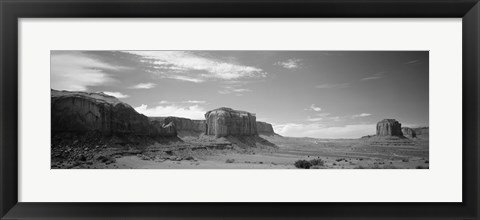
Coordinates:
x,y
389,127
81,112
422,132
184,126
223,122
408,132
265,128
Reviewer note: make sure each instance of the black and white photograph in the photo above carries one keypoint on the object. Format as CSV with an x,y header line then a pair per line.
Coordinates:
x,y
157,109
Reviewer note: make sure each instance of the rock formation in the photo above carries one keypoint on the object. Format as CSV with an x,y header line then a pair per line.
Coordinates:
x,y
265,128
408,132
389,127
421,130
82,112
223,122
184,126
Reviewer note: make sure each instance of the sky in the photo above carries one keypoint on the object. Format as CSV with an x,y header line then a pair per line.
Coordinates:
x,y
320,94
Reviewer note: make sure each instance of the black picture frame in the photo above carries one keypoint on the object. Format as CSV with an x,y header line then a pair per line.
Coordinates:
x,y
12,10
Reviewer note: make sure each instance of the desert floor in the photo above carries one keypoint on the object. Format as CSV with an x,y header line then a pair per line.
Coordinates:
x,y
205,152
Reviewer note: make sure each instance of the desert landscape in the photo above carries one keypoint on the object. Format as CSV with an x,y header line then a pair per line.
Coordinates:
x,y
95,130
239,109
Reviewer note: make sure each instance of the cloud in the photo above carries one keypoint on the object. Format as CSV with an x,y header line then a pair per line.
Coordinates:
x,y
315,119
317,130
183,102
196,102
194,67
143,86
320,117
233,89
412,62
333,86
290,63
186,78
76,71
192,112
314,108
116,94
375,76
361,115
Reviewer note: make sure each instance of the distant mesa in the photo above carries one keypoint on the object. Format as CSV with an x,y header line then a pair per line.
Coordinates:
x,y
409,132
422,131
224,122
389,127
264,128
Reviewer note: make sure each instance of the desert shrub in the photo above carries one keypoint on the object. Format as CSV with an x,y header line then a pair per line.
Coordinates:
x,y
317,162
421,167
303,164
230,161
334,164
405,160
426,161
360,167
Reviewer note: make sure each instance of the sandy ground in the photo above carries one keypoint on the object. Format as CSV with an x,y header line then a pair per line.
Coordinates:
x,y
207,153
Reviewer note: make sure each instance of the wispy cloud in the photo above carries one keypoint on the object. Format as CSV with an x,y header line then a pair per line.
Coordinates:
x,y
290,63
332,86
375,76
185,78
76,71
314,108
192,112
237,90
116,94
194,67
315,119
412,62
361,115
143,86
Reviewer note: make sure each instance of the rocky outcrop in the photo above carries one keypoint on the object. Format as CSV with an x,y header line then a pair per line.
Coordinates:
x,y
226,121
389,127
421,130
408,132
82,112
184,126
265,128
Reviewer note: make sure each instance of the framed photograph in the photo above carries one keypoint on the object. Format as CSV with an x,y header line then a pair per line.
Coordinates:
x,y
249,110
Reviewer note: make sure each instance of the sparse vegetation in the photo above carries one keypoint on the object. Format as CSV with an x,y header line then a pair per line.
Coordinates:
x,y
317,162
230,161
303,164
307,164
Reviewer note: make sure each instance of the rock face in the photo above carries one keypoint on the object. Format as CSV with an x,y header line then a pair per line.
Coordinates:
x,y
389,127
408,132
264,128
421,131
82,112
183,125
223,122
